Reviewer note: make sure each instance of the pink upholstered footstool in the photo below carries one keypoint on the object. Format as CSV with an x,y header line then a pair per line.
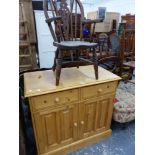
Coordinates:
x,y
124,107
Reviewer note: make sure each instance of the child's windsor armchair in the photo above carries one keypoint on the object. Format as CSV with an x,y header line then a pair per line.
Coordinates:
x,y
68,18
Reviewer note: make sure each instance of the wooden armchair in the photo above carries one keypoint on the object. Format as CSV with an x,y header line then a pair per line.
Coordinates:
x,y
68,18
108,50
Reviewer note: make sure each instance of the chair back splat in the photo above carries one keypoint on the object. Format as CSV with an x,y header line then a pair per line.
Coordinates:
x,y
67,16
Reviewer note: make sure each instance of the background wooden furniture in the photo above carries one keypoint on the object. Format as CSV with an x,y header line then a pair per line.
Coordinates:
x,y
28,17
25,52
129,21
113,51
128,43
108,50
131,65
76,113
127,55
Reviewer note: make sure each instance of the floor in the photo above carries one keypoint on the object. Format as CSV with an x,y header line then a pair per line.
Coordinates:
x,y
122,141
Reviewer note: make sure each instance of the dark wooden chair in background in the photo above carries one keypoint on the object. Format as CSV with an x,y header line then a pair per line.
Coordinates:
x,y
108,51
128,51
68,18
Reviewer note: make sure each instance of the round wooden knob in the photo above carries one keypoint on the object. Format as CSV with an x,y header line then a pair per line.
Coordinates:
x,y
39,76
75,124
57,99
68,99
99,90
82,122
45,101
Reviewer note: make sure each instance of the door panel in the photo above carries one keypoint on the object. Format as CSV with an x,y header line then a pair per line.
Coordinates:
x,y
87,113
95,115
50,122
55,128
101,114
89,116
66,122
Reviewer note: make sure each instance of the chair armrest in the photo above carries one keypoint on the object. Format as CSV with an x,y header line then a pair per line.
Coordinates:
x,y
89,21
49,20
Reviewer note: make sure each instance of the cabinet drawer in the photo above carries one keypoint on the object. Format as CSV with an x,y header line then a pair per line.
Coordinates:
x,y
98,90
55,99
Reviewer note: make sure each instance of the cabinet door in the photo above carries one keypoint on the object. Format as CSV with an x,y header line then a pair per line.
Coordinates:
x,y
55,128
95,115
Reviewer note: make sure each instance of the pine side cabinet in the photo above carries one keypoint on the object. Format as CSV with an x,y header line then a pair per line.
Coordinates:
x,y
74,114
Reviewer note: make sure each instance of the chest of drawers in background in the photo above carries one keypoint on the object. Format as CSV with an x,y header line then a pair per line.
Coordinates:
x,y
74,114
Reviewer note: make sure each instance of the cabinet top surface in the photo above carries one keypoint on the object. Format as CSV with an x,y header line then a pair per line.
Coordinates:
x,y
43,82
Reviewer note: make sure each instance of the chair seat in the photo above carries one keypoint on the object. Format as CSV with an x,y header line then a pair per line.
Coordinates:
x,y
74,44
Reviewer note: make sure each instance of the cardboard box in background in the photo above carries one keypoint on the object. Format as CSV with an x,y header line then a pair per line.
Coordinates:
x,y
106,25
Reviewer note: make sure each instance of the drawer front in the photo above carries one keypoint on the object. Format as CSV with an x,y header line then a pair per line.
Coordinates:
x,y
55,99
98,90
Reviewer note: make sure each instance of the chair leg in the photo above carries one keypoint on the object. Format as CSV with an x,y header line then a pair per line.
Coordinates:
x,y
55,58
96,71
58,68
77,55
120,68
95,63
58,71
